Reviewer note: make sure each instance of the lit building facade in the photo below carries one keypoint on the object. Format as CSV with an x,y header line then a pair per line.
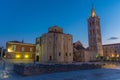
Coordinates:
x,y
54,47
112,51
94,34
20,52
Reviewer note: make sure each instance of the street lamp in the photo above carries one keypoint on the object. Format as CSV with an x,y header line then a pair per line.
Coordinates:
x,y
4,74
1,52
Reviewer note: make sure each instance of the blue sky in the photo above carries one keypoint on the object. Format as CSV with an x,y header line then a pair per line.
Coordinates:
x,y
28,19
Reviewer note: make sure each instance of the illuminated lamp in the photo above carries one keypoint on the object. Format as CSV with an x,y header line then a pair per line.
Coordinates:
x,y
9,50
117,55
113,55
17,56
26,56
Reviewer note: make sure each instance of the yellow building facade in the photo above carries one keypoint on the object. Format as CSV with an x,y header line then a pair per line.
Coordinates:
x,y
20,52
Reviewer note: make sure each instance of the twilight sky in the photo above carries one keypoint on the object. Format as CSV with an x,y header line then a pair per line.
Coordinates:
x,y
28,19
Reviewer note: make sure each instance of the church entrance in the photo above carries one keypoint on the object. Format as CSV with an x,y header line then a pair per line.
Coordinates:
x,y
50,58
37,58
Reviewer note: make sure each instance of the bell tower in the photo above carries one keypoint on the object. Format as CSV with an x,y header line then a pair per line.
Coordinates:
x,y
94,33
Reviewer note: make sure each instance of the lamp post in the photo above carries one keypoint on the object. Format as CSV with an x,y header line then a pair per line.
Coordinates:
x,y
34,62
2,59
4,75
1,52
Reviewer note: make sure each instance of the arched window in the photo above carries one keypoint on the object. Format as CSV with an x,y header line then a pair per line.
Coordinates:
x,y
66,54
37,58
90,32
92,22
93,31
50,58
59,54
70,54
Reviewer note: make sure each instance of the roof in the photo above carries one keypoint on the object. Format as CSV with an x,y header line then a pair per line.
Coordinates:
x,y
18,42
55,29
15,41
111,44
93,14
78,45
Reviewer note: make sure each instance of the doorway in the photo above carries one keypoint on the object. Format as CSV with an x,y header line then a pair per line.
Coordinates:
x,y
50,58
37,58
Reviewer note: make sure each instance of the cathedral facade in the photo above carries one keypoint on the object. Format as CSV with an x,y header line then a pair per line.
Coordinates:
x,y
54,47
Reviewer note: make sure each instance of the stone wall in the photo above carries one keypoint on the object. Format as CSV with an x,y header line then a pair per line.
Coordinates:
x,y
19,60
33,69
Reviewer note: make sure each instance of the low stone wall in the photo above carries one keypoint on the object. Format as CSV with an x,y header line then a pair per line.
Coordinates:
x,y
19,60
33,69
